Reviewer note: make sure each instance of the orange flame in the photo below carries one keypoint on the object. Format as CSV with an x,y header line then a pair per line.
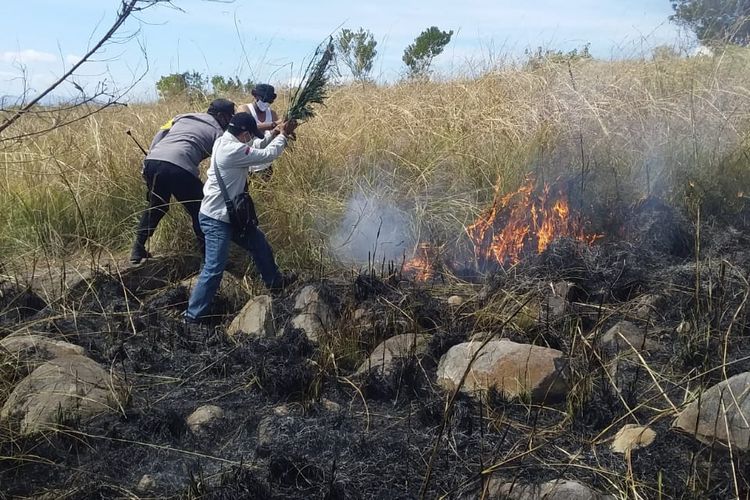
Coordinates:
x,y
523,221
422,264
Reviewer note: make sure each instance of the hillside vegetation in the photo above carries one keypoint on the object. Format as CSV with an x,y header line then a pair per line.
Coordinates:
x,y
672,127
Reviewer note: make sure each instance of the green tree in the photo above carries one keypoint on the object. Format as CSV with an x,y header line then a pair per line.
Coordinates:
x,y
187,84
229,85
715,21
419,55
357,49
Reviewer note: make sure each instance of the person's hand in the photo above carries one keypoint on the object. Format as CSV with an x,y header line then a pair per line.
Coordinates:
x,y
263,126
288,127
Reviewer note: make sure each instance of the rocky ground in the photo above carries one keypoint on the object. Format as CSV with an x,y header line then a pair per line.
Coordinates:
x,y
619,370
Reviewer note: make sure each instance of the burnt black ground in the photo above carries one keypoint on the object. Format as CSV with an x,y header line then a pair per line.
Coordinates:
x,y
377,444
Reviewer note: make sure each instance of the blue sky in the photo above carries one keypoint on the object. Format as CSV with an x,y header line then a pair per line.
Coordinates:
x,y
270,41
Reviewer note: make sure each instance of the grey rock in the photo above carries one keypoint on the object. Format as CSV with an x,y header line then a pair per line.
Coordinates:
x,y
511,368
313,314
455,300
271,428
203,417
631,437
625,337
560,489
646,306
721,415
384,356
255,319
62,392
30,350
146,483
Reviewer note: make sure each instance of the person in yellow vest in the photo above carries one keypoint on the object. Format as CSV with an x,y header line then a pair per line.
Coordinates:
x,y
171,169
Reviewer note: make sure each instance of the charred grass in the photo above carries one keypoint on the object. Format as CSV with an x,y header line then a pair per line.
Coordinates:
x,y
298,424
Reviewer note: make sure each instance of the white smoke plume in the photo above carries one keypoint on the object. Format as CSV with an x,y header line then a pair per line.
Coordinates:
x,y
372,229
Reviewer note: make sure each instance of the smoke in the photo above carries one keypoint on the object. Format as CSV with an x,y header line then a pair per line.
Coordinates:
x,y
372,229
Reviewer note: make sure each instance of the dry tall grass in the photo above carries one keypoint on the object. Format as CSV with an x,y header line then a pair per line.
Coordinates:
x,y
436,149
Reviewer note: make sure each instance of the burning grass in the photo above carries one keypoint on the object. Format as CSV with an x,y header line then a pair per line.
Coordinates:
x,y
620,130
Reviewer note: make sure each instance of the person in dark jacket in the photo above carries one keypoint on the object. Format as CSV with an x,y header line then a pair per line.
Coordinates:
x,y
171,169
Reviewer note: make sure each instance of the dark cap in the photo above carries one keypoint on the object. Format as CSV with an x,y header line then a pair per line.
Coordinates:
x,y
218,106
244,122
264,92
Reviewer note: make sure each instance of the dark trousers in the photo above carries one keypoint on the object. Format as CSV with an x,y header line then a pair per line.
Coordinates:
x,y
164,180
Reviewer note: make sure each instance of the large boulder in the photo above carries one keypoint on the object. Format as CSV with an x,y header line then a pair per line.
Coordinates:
x,y
314,314
255,319
559,489
721,415
510,368
62,392
383,359
29,350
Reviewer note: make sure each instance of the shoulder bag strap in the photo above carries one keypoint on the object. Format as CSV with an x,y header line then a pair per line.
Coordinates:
x,y
222,186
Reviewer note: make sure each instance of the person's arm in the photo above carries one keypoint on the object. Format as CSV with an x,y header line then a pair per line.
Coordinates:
x,y
246,156
262,143
264,126
257,159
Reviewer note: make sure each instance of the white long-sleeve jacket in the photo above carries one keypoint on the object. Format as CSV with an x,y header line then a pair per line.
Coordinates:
x,y
235,160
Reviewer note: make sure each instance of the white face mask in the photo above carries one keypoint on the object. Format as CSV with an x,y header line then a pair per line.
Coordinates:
x,y
262,105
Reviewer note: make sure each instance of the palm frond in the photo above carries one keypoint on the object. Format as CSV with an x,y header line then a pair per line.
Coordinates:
x,y
314,85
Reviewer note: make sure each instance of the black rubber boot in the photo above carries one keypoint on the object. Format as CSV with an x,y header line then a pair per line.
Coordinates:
x,y
139,253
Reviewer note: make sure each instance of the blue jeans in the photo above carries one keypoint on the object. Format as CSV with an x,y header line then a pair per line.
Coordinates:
x,y
218,234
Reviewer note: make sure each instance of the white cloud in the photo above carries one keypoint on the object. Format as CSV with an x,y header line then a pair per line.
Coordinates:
x,y
72,59
27,56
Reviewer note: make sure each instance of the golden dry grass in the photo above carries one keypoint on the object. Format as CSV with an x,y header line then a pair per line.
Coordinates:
x,y
436,148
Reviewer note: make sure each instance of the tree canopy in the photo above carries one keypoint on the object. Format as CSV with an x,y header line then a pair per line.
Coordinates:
x,y
714,21
190,84
419,55
357,49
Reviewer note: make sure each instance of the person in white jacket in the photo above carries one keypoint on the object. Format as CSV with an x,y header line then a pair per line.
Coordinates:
x,y
240,150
